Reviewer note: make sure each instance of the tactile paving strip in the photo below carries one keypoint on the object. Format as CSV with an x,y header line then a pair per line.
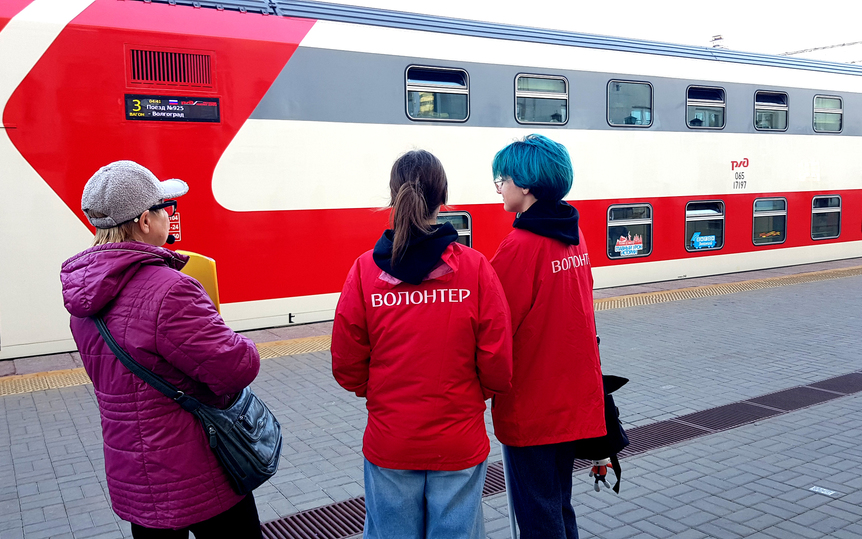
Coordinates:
x,y
292,347
26,383
652,298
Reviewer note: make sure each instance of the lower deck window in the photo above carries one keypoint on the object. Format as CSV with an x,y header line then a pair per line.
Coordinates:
x,y
770,221
704,226
629,231
825,217
462,222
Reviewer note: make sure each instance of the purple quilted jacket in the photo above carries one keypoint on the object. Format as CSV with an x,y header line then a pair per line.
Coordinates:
x,y
160,469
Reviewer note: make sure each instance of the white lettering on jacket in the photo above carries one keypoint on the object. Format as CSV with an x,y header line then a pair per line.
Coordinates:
x,y
570,262
419,297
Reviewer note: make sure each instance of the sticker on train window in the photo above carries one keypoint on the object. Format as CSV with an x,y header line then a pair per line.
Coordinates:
x,y
704,225
162,108
629,231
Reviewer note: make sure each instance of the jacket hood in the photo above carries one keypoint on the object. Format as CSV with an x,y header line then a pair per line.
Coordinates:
x,y
422,254
93,278
553,219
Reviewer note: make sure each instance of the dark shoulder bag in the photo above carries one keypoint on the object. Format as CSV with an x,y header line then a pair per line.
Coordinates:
x,y
246,436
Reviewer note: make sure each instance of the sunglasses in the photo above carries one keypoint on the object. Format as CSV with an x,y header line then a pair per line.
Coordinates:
x,y
170,208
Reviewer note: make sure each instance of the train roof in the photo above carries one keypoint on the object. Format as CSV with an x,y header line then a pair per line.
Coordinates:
x,y
448,25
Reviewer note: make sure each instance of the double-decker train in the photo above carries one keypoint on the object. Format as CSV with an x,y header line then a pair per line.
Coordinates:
x,y
285,116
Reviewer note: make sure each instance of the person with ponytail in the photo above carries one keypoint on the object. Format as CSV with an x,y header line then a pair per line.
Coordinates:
x,y
557,395
422,332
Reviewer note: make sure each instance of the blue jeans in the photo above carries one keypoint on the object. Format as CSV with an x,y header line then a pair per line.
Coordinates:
x,y
420,504
541,488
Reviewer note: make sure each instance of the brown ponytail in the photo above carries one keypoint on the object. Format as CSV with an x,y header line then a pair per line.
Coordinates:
x,y
417,187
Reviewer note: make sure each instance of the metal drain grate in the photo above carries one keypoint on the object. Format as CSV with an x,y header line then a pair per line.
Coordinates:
x,y
794,398
659,434
334,521
728,416
345,519
849,383
495,480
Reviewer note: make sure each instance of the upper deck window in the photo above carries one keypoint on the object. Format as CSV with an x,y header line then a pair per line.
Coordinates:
x,y
828,114
435,93
541,99
705,107
629,104
770,111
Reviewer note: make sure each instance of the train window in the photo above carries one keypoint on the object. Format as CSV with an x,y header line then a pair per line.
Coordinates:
x,y
825,217
770,221
462,222
629,103
770,111
541,99
828,114
705,107
438,94
629,231
704,226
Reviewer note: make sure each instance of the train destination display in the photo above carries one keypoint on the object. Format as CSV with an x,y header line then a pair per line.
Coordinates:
x,y
172,108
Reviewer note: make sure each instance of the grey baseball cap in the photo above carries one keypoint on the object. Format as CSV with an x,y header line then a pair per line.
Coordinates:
x,y
124,190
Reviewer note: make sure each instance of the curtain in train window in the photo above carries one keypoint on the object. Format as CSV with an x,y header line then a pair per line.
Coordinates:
x,y
825,217
462,222
629,231
770,111
541,99
629,104
704,226
828,114
437,94
705,107
770,221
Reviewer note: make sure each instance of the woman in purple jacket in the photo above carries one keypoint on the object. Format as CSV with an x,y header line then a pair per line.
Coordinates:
x,y
162,475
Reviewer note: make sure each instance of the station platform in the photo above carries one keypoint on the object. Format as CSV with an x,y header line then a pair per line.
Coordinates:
x,y
743,409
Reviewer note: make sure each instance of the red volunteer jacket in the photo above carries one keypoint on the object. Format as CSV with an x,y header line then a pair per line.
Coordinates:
x,y
426,357
556,391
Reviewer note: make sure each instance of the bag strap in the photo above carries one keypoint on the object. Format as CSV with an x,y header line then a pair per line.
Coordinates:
x,y
163,386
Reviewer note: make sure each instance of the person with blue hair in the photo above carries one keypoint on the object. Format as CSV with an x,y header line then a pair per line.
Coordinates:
x,y
556,396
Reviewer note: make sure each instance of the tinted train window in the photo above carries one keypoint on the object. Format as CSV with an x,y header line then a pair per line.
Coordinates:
x,y
705,108
770,221
704,226
770,111
462,222
437,94
825,217
629,104
541,99
629,231
828,114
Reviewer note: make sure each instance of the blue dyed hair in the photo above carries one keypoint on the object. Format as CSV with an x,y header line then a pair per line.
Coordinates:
x,y
536,163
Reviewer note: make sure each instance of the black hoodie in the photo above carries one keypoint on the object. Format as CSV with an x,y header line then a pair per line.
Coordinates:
x,y
422,254
553,219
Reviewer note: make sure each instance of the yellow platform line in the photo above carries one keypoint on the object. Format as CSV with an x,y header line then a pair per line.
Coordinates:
x,y
26,383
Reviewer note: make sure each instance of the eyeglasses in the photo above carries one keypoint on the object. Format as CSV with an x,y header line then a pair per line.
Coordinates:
x,y
499,181
169,206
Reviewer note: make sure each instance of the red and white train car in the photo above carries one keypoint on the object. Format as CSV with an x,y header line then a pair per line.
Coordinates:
x,y
285,116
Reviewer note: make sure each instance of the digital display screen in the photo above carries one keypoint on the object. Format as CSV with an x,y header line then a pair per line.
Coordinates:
x,y
172,108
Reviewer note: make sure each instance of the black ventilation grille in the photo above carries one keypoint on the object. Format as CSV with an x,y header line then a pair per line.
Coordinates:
x,y
171,68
